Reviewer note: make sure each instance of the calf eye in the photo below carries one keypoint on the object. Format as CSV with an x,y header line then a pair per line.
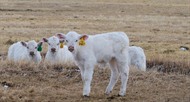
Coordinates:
x,y
76,40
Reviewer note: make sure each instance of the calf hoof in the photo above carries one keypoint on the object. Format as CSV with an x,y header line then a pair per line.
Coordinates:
x,y
86,96
121,95
108,92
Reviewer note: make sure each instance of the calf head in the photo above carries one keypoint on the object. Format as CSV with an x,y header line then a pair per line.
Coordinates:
x,y
73,40
53,43
32,47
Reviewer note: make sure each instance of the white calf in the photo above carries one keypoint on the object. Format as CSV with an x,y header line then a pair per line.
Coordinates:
x,y
109,48
24,51
137,57
57,55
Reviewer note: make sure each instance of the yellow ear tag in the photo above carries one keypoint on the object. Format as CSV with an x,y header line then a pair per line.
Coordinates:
x,y
61,45
82,42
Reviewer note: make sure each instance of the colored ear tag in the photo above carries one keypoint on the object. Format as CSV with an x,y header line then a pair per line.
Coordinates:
x,y
82,42
61,45
39,48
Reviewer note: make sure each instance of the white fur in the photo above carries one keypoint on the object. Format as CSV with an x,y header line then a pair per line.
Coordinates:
x,y
109,48
61,56
18,52
137,57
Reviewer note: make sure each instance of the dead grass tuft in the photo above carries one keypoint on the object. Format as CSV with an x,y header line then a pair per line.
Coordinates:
x,y
10,42
168,51
169,66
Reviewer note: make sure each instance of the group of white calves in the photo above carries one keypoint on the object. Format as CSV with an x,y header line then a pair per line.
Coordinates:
x,y
86,51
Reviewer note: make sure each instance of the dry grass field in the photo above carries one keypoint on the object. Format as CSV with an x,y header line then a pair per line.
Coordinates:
x,y
160,27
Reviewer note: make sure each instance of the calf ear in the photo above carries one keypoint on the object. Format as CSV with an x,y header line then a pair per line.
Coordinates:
x,y
40,43
44,39
60,36
24,44
84,37
61,40
39,46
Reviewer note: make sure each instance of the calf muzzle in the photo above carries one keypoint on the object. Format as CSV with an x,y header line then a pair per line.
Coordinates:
x,y
71,48
53,50
32,53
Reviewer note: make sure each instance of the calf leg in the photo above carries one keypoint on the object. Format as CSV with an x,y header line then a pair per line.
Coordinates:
x,y
114,76
81,67
88,73
124,71
123,67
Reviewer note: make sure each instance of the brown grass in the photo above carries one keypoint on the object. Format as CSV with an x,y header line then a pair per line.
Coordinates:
x,y
169,66
160,27
30,82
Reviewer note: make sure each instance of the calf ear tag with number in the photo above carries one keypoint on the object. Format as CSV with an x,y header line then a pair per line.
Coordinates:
x,y
82,42
61,45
